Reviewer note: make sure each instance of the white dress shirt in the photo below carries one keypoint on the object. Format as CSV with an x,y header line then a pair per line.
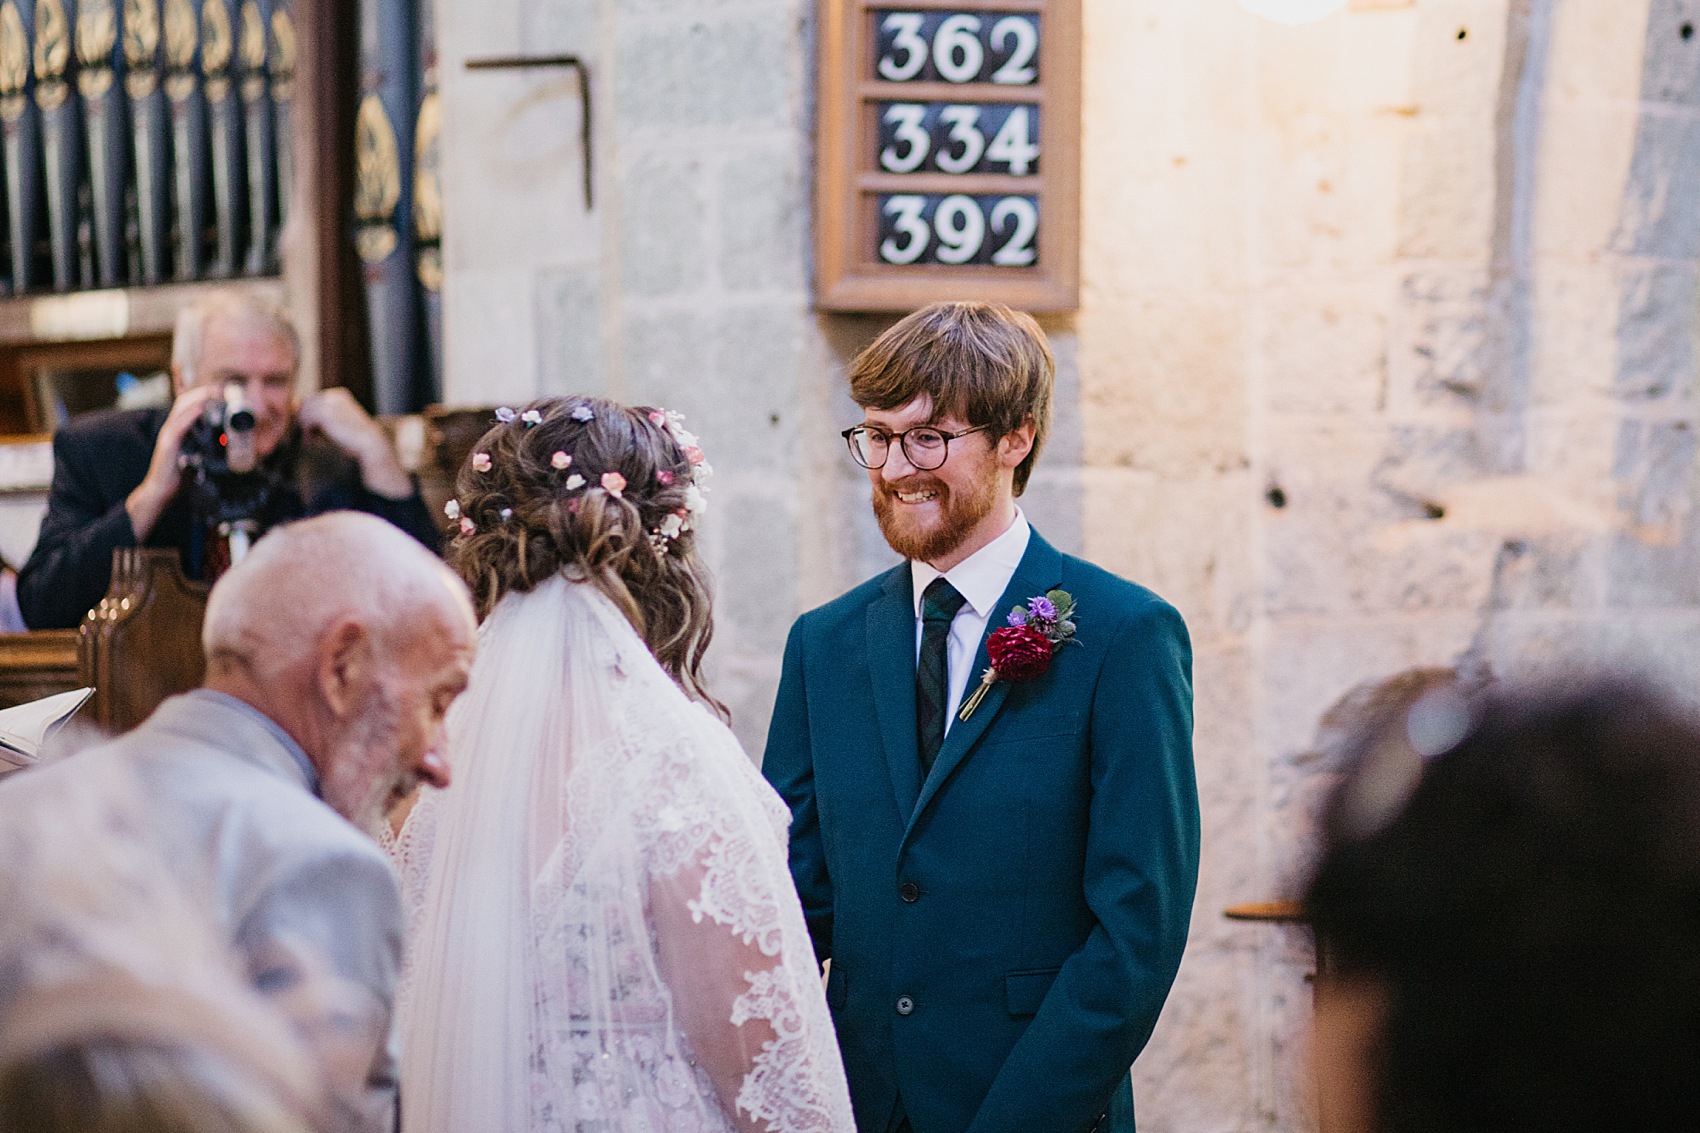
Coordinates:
x,y
981,578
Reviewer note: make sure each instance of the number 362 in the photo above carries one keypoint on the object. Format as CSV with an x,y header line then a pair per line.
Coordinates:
x,y
954,229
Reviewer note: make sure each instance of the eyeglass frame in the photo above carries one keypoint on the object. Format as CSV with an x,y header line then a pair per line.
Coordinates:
x,y
902,440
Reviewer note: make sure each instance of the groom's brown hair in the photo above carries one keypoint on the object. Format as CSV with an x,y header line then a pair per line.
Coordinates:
x,y
983,362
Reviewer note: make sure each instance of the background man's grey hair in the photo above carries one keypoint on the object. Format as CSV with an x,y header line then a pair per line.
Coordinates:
x,y
235,306
266,613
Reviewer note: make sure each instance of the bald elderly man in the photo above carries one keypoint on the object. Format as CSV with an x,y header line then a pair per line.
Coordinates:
x,y
333,652
116,481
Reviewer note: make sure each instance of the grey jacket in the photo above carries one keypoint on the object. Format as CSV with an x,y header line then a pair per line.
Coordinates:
x,y
309,902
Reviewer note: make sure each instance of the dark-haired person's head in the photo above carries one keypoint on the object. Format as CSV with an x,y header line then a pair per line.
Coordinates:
x,y
956,403
608,492
1511,917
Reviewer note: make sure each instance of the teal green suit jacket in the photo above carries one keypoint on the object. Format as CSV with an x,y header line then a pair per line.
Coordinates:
x,y
1002,934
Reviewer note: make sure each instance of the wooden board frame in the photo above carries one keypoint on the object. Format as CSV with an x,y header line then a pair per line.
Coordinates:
x,y
847,275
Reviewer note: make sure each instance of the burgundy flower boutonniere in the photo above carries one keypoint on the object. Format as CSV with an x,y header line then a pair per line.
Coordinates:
x,y
1021,651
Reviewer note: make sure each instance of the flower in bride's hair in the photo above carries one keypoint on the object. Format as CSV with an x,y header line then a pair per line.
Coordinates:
x,y
506,513
665,477
467,527
672,525
694,454
481,462
531,417
561,461
505,415
613,483
695,502
582,413
575,482
452,509
658,418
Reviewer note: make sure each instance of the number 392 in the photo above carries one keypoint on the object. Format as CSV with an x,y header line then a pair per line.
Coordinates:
x,y
930,228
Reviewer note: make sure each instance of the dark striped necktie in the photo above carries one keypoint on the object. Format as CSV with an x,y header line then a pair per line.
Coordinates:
x,y
939,604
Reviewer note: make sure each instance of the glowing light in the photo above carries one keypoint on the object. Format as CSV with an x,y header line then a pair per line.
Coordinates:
x,y
1292,12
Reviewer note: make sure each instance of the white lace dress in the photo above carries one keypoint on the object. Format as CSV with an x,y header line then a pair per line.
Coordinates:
x,y
606,934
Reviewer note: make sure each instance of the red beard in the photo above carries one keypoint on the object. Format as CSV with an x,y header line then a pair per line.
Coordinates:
x,y
926,539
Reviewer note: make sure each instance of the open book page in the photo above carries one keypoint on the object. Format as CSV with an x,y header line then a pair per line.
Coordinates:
x,y
26,727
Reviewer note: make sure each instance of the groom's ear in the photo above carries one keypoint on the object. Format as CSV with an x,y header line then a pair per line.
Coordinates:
x,y
1017,443
347,659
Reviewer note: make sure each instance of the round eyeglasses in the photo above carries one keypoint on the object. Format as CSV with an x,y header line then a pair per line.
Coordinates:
x,y
925,447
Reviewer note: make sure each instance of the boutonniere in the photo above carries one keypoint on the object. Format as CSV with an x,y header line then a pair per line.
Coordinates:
x,y
1022,650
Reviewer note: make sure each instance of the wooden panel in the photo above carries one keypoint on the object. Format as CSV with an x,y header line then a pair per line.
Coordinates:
x,y
924,212
34,665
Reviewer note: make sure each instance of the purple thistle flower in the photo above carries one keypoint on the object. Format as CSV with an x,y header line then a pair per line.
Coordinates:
x,y
1042,609
1018,617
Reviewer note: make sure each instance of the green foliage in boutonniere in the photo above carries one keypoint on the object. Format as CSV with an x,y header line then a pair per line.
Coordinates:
x,y
1021,650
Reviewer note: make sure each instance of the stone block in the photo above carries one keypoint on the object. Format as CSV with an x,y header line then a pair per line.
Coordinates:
x,y
1052,504
1599,48
764,220
757,590
1065,447
1309,664
1188,539
1661,206
565,27
1654,575
489,340
569,331
1671,71
1574,354
1325,349
1654,470
733,371
1440,349
1661,646
702,68
1163,384
1587,147
1656,330
663,242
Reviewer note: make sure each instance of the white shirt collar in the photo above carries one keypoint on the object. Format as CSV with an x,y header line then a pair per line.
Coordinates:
x,y
982,577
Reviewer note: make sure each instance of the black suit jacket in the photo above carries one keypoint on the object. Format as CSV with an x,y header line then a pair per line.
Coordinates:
x,y
98,460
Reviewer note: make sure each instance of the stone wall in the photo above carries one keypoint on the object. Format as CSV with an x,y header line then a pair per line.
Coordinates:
x,y
1384,362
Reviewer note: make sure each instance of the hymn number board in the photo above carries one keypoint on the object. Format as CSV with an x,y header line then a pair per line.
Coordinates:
x,y
949,153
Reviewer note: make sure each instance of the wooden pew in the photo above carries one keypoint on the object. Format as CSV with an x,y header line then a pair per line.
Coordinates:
x,y
143,642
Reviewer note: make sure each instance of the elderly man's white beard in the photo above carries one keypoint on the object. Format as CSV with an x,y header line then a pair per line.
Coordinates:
x,y
362,777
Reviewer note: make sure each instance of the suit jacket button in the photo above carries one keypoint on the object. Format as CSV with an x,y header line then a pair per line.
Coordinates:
x,y
905,1005
910,892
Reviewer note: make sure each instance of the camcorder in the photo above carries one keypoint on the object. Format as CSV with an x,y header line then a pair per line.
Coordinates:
x,y
231,490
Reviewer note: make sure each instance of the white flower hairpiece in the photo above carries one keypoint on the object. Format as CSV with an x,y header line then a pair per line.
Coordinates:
x,y
531,417
452,509
696,504
505,415
582,413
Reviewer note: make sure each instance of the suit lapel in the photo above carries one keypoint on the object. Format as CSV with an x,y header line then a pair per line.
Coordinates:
x,y
891,664
1040,570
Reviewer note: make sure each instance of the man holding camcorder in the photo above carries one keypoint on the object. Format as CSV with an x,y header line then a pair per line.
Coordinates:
x,y
232,457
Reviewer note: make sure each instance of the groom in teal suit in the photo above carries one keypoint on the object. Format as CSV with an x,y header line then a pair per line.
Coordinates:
x,y
1002,887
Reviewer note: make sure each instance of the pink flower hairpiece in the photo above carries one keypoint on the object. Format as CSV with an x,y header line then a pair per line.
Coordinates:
x,y
561,461
614,484
481,462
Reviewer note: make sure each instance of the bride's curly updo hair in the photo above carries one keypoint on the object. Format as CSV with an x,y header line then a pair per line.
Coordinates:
x,y
606,492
